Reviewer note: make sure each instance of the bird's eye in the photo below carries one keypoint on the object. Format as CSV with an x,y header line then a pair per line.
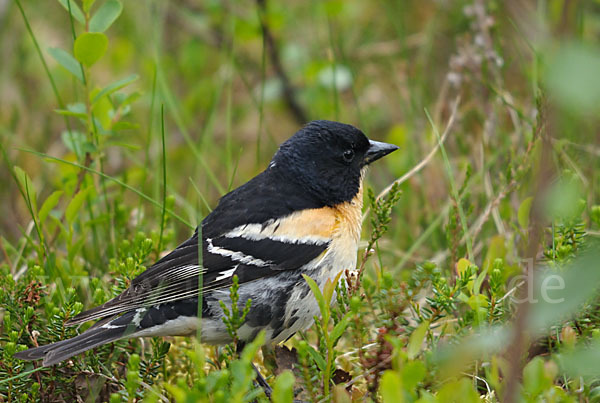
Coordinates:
x,y
348,155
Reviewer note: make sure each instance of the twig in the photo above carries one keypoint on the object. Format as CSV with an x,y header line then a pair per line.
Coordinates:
x,y
424,161
356,350
509,292
512,185
383,210
487,386
483,217
289,93
476,229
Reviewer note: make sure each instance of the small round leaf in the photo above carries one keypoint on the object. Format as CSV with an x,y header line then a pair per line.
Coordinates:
x,y
89,47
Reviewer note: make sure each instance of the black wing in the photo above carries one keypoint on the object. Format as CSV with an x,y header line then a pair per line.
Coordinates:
x,y
230,247
177,275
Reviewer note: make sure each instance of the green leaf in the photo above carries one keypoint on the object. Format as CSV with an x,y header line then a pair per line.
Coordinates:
x,y
103,111
128,99
66,112
478,281
338,330
416,340
283,391
523,213
534,377
49,204
478,302
76,109
75,10
317,293
87,5
77,142
105,16
121,125
89,47
460,391
75,205
329,288
117,85
317,357
413,372
462,265
391,387
242,375
67,61
252,348
496,250
463,297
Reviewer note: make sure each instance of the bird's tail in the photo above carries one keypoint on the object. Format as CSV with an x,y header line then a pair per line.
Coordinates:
x,y
171,319
99,334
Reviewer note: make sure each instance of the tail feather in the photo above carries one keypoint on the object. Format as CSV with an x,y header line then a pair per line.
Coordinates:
x,y
38,353
160,320
85,341
97,312
92,337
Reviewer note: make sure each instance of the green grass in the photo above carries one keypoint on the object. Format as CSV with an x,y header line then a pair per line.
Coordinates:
x,y
94,189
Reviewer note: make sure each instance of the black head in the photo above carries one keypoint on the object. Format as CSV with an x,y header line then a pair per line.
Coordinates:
x,y
327,158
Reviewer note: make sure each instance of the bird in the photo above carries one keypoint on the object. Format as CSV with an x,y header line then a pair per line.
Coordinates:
x,y
301,215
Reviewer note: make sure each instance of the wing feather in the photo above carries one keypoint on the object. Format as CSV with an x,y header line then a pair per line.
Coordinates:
x,y
244,251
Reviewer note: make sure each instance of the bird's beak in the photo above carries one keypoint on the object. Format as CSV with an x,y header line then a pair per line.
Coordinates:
x,y
377,150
